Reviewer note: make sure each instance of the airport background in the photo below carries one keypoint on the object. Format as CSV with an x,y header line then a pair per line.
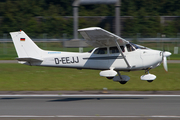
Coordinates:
x,y
31,92
49,23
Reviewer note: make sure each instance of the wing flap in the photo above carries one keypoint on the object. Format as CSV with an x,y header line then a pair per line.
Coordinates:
x,y
99,37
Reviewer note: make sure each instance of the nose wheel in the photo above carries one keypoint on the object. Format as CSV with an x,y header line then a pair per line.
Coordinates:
x,y
148,77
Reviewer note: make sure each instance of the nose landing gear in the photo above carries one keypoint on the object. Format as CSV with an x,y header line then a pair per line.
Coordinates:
x,y
148,77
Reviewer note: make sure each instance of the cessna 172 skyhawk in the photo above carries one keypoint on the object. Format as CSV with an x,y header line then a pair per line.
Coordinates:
x,y
111,55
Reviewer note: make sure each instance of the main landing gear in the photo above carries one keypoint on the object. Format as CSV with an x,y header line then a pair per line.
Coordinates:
x,y
122,79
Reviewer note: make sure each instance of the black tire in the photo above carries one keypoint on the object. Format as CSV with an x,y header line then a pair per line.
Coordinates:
x,y
123,82
109,78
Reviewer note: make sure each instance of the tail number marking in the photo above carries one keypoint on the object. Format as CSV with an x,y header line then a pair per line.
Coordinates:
x,y
66,60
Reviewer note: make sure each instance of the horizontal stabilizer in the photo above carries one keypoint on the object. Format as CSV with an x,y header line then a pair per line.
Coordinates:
x,y
29,59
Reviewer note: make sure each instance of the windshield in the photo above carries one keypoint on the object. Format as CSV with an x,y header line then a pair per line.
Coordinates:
x,y
138,46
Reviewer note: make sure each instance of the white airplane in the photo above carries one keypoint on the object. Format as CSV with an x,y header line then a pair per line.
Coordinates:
x,y
111,55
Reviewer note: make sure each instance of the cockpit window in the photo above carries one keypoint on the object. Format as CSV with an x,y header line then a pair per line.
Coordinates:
x,y
130,47
113,50
137,47
100,51
141,47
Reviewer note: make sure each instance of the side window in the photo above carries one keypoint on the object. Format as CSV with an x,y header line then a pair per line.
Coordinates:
x,y
113,50
122,48
130,48
100,51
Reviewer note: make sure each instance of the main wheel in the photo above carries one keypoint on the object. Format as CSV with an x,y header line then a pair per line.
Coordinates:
x,y
122,82
109,78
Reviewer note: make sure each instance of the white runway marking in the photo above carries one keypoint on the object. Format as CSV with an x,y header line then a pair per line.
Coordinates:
x,y
71,116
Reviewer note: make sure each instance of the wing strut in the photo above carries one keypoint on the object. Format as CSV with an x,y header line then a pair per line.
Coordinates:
x,y
122,54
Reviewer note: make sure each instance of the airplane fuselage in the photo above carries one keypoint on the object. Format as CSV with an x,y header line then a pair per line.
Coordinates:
x,y
139,59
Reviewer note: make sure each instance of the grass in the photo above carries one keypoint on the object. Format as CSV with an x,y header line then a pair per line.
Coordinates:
x,y
17,77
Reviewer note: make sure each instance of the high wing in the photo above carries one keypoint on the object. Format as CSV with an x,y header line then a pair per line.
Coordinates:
x,y
99,37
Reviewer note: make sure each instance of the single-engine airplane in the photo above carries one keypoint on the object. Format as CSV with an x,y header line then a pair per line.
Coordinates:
x,y
111,55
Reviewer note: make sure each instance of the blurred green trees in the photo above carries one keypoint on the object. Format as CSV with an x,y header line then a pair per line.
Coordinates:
x,y
46,16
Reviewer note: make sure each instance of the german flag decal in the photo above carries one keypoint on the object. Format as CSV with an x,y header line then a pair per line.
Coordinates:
x,y
22,39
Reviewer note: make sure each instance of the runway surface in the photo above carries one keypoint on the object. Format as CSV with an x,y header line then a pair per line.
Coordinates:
x,y
99,106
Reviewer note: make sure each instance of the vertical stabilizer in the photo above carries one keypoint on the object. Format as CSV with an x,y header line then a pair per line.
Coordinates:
x,y
25,47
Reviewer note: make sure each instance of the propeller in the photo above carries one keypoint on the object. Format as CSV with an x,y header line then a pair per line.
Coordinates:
x,y
165,55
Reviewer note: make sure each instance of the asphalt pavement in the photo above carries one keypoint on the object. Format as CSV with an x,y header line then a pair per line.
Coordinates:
x,y
90,107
